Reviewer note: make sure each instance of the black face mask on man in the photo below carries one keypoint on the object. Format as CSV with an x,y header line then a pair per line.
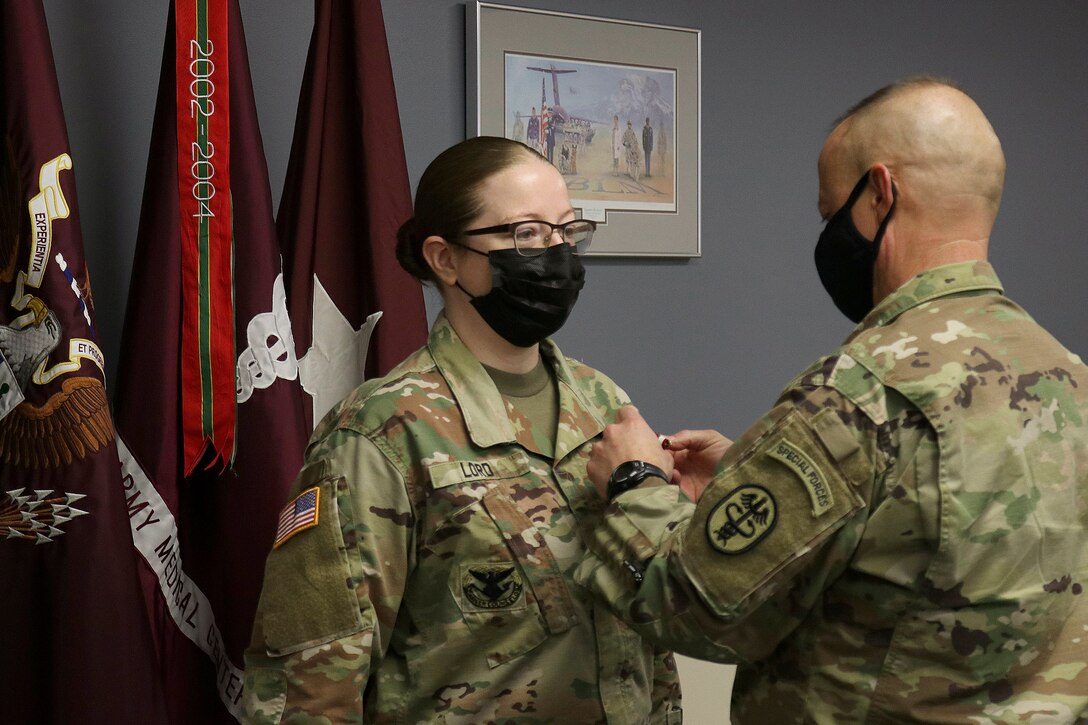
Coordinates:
x,y
530,297
845,260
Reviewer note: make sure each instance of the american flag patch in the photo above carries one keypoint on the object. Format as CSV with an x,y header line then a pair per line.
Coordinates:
x,y
299,515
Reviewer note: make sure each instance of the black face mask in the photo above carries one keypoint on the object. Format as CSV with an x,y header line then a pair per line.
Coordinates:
x,y
845,260
530,297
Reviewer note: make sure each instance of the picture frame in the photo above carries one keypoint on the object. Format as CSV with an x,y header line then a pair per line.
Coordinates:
x,y
593,94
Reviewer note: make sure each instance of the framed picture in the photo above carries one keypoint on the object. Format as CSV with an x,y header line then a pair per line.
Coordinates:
x,y
613,104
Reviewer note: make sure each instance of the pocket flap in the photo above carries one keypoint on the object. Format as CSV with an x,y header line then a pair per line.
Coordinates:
x,y
536,560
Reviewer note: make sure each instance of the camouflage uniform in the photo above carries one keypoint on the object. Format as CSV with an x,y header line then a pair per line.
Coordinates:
x,y
437,586
901,539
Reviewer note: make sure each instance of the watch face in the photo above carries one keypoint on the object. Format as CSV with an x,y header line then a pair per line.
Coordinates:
x,y
628,475
629,470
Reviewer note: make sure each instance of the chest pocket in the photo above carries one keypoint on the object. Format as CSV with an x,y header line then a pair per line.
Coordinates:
x,y
504,578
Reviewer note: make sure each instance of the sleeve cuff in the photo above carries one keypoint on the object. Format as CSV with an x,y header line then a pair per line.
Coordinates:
x,y
634,527
650,511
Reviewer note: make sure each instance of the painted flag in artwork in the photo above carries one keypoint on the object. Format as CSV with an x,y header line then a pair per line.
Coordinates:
x,y
545,118
355,312
204,533
76,642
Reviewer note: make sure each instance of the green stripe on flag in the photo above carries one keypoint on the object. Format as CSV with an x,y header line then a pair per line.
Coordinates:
x,y
203,234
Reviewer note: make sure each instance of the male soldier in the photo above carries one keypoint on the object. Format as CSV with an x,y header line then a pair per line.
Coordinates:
x,y
533,133
902,537
647,143
519,127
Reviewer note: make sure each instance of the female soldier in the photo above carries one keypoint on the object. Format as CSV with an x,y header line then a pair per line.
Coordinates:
x,y
434,584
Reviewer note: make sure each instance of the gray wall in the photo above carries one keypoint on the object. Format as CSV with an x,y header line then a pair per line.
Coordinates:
x,y
702,342
710,341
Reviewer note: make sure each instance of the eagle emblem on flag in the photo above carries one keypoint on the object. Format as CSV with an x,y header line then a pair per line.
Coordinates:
x,y
74,421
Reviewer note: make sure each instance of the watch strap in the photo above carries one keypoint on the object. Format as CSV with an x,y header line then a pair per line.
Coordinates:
x,y
630,474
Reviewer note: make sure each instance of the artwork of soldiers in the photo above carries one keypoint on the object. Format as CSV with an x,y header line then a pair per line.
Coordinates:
x,y
584,117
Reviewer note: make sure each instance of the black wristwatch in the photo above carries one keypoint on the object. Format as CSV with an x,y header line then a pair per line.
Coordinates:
x,y
630,474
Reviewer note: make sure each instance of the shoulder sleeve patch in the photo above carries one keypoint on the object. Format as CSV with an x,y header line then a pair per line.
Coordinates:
x,y
308,596
777,501
301,514
808,472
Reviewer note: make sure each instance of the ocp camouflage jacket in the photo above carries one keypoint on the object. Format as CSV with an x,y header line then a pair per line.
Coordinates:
x,y
903,538
436,587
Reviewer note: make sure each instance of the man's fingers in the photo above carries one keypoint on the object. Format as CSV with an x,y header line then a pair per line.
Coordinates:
x,y
679,441
693,440
627,413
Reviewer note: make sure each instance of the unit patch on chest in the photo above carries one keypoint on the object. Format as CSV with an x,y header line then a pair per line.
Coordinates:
x,y
491,586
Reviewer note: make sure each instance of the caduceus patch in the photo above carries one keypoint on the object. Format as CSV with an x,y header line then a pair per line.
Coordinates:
x,y
492,586
742,519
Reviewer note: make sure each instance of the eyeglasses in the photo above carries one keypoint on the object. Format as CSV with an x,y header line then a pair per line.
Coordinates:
x,y
533,236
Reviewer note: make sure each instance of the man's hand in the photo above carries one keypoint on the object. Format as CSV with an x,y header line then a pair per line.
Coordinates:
x,y
628,439
695,454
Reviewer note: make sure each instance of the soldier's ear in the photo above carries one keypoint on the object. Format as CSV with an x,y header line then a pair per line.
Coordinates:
x,y
880,179
439,256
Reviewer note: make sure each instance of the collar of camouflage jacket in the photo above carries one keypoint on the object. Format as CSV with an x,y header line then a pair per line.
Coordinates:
x,y
943,281
479,399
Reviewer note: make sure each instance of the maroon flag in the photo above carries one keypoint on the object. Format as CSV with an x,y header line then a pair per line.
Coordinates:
x,y
205,537
345,195
76,646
